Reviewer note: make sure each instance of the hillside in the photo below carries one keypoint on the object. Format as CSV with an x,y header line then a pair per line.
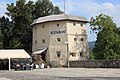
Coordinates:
x,y
91,44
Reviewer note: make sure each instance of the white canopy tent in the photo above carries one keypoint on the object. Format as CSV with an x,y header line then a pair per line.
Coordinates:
x,y
13,53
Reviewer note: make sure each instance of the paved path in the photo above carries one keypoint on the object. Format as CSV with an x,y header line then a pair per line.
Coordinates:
x,y
62,74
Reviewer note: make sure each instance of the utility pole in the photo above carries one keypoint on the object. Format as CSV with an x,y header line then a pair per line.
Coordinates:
x,y
64,6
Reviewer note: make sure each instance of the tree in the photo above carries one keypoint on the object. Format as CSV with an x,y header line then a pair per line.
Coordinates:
x,y
45,8
18,31
108,38
21,19
5,32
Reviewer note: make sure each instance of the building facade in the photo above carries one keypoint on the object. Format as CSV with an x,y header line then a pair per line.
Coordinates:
x,y
63,37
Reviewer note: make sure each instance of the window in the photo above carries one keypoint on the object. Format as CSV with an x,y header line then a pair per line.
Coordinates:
x,y
43,40
58,53
82,39
73,54
81,25
57,24
81,54
58,39
43,26
74,24
75,39
35,42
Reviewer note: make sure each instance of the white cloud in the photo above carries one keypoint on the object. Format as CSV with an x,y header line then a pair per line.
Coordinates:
x,y
31,0
89,8
2,8
86,8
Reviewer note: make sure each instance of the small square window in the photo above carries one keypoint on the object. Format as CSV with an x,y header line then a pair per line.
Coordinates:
x,y
35,42
75,39
43,40
81,54
74,24
73,54
43,26
58,39
81,25
82,39
57,24
58,53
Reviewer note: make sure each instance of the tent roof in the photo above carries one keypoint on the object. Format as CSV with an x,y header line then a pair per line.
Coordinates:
x,y
13,53
39,51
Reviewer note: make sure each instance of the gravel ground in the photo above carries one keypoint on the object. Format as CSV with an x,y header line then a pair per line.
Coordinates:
x,y
62,74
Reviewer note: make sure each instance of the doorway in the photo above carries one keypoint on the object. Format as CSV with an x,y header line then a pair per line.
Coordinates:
x,y
43,55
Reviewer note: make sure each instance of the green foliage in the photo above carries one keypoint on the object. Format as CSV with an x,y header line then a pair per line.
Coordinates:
x,y
108,38
102,21
21,19
5,32
1,41
17,33
44,8
91,55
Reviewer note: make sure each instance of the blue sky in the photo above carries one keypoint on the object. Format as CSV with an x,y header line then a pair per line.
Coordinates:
x,y
86,8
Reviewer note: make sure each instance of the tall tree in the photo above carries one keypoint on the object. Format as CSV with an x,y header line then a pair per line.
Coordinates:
x,y
45,8
21,18
108,38
22,15
5,32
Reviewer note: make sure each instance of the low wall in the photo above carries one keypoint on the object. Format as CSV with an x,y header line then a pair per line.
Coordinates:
x,y
95,64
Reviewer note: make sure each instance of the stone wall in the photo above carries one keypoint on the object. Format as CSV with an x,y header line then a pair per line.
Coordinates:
x,y
95,64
